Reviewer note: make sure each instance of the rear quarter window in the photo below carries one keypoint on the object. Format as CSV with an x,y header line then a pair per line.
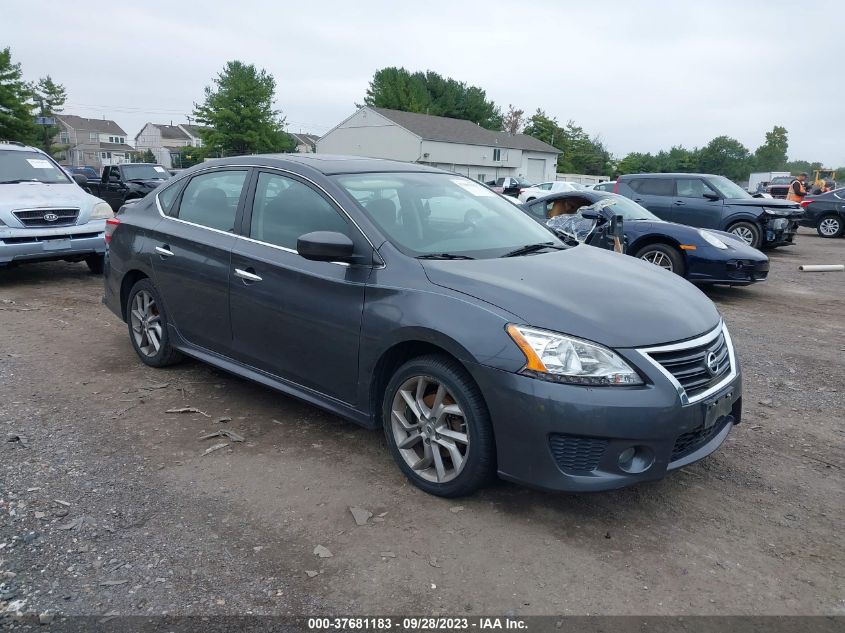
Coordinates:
x,y
168,196
652,186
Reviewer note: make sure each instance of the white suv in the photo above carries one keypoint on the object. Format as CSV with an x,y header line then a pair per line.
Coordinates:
x,y
44,214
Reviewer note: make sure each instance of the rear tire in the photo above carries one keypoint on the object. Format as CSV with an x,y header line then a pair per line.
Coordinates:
x,y
748,232
148,326
830,226
438,428
95,263
664,256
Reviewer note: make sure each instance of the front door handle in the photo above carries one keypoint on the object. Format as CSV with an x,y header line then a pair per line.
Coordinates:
x,y
679,203
247,275
164,251
638,200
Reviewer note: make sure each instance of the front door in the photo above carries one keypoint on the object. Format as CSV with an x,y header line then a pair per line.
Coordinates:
x,y
294,318
191,252
690,205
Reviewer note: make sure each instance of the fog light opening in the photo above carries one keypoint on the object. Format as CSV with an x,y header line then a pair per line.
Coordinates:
x,y
636,459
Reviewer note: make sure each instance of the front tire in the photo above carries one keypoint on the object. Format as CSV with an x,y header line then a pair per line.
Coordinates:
x,y
664,256
830,226
95,263
148,326
748,232
438,428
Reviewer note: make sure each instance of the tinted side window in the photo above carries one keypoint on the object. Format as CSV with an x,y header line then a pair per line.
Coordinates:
x,y
653,186
284,209
212,199
692,188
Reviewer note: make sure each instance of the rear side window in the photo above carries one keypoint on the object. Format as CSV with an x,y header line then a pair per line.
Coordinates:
x,y
212,199
285,209
652,186
168,196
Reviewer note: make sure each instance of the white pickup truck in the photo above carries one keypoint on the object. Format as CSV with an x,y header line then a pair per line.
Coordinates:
x,y
44,214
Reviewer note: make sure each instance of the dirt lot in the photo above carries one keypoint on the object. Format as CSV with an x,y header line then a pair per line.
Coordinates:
x,y
107,504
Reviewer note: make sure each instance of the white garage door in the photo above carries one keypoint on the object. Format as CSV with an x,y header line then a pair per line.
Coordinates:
x,y
536,170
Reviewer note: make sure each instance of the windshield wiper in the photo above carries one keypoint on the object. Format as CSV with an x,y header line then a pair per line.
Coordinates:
x,y
532,248
444,256
17,180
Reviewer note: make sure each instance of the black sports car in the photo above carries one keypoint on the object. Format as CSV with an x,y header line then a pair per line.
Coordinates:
x,y
703,256
825,213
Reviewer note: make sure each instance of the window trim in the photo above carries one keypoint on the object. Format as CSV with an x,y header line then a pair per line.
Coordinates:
x,y
250,193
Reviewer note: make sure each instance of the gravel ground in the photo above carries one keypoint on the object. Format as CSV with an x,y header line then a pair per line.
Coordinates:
x,y
108,504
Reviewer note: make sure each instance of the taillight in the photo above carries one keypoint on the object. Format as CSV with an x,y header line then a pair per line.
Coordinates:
x,y
806,203
111,227
616,187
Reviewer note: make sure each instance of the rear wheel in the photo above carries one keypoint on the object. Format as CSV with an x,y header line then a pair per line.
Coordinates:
x,y
438,427
148,326
830,226
748,232
664,256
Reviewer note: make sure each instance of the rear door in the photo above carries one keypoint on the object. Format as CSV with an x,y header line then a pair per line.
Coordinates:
x,y
691,207
291,317
191,256
655,194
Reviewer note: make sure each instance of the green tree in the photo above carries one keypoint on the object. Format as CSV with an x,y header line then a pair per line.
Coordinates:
x,y
147,156
725,156
190,156
16,120
771,155
580,154
49,98
431,93
239,114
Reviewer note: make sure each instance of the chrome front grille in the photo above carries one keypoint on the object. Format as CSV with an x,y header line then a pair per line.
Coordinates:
x,y
698,367
47,217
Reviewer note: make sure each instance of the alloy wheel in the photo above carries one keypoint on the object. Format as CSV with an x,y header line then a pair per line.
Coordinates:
x,y
145,319
658,259
745,234
429,429
829,226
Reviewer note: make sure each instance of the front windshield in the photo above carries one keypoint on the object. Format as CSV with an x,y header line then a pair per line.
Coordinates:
x,y
522,182
145,172
727,188
429,214
782,180
627,208
26,166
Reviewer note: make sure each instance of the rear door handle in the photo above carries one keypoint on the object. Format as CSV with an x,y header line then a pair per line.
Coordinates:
x,y
164,251
679,203
247,275
638,199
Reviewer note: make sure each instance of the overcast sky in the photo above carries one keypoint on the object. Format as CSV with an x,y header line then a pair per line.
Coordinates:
x,y
643,75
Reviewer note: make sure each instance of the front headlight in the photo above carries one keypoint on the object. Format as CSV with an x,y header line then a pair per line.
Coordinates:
x,y
101,211
561,358
711,239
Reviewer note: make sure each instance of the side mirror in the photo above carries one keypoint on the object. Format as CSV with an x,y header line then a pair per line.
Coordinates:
x,y
591,215
711,196
325,246
80,179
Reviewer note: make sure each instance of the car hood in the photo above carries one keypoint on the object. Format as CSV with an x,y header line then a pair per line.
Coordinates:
x,y
32,195
587,292
773,204
145,184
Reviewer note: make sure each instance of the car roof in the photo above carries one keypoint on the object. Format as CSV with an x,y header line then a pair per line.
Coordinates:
x,y
18,147
326,164
668,175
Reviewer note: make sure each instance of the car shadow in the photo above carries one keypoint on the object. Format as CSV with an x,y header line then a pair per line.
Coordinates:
x,y
44,273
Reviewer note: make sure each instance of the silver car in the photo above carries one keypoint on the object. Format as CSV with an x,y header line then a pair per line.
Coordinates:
x,y
44,213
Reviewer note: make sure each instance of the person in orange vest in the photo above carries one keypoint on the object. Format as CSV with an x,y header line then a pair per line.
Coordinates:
x,y
797,190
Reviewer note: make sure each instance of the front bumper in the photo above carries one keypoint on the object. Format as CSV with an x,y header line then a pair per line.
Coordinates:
x,y
66,242
781,231
566,437
736,271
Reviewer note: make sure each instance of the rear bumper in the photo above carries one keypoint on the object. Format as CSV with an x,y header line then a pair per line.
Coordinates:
x,y
53,243
565,437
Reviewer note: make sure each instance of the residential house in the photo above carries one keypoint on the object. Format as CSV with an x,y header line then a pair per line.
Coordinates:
x,y
452,144
92,142
305,143
166,141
